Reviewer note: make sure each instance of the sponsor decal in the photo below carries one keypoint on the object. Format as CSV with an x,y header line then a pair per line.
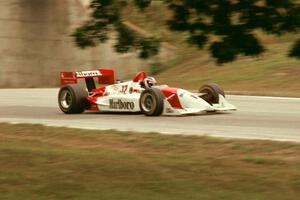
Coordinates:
x,y
88,73
122,105
130,90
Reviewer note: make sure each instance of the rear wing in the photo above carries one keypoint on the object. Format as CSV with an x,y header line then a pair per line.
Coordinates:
x,y
105,76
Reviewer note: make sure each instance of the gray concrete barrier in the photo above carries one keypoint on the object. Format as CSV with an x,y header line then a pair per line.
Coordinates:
x,y
35,44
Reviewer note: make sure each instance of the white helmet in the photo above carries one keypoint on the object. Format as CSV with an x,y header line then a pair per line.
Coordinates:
x,y
149,82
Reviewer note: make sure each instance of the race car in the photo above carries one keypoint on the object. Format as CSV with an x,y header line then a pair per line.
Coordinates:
x,y
141,94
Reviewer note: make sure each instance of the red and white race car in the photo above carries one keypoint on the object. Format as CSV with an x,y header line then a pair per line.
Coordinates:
x,y
141,94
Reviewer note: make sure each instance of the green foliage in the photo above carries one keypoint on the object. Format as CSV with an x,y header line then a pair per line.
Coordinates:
x,y
142,4
155,68
295,51
232,24
225,27
106,18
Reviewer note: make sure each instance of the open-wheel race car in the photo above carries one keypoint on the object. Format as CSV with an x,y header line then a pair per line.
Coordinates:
x,y
141,94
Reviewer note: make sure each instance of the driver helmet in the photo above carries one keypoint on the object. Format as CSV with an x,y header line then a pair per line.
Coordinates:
x,y
149,82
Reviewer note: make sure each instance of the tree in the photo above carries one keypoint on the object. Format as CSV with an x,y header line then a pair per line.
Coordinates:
x,y
106,17
225,27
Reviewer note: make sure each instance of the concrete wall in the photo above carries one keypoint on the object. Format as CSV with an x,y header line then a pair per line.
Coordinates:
x,y
35,44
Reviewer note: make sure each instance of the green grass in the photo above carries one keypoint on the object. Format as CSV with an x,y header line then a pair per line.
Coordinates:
x,y
38,162
272,73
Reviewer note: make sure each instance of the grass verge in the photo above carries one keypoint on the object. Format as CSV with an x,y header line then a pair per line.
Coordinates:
x,y
38,162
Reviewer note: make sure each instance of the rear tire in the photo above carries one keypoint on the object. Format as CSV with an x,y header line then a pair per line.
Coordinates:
x,y
211,93
72,99
152,102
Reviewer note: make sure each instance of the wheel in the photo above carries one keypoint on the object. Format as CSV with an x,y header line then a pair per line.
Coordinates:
x,y
210,93
152,102
72,99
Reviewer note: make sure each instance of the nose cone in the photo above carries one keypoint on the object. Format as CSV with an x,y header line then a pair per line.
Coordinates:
x,y
190,100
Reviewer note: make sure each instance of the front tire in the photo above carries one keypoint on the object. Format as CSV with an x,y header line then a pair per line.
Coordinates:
x,y
152,102
210,93
72,99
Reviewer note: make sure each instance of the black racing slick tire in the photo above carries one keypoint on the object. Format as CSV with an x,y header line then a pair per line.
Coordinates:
x,y
152,102
210,93
72,99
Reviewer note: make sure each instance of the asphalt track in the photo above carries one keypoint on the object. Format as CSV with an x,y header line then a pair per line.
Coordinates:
x,y
272,118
